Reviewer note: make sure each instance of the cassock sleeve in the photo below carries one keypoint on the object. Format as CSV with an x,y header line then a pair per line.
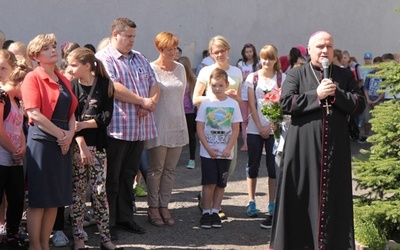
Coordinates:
x,y
348,98
298,96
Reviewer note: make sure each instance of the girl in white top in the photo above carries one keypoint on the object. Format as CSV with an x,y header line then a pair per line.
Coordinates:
x,y
165,150
260,130
247,65
219,50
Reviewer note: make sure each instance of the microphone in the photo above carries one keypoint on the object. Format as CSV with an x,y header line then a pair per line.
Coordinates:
x,y
325,66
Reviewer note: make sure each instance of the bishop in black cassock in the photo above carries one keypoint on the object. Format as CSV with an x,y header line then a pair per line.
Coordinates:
x,y
314,207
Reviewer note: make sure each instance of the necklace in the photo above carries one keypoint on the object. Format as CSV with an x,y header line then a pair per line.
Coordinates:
x,y
316,78
327,105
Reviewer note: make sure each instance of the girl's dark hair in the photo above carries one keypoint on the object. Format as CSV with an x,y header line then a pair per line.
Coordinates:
x,y
294,54
90,46
255,57
85,55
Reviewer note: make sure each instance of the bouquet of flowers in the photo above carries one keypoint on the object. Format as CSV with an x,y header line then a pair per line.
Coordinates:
x,y
271,109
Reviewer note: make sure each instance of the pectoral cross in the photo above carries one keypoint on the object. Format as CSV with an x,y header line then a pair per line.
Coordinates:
x,y
327,106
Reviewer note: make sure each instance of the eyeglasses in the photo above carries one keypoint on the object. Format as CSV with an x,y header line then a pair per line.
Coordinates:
x,y
218,52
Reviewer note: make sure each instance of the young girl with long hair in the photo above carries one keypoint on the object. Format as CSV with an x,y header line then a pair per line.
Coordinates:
x,y
12,147
247,65
190,110
7,64
260,131
95,93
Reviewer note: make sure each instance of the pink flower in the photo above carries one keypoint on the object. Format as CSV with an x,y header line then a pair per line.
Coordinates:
x,y
273,95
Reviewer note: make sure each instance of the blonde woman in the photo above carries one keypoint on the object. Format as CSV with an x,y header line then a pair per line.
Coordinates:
x,y
50,105
219,50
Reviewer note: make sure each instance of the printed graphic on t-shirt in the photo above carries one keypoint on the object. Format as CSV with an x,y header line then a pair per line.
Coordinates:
x,y
218,125
374,87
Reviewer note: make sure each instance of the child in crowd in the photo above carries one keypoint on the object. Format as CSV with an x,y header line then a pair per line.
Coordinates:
x,y
260,131
190,111
247,65
218,121
95,93
12,147
21,53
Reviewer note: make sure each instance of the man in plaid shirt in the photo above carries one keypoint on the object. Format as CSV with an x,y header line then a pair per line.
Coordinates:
x,y
136,95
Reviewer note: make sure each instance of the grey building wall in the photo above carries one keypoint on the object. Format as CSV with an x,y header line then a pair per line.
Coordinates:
x,y
357,25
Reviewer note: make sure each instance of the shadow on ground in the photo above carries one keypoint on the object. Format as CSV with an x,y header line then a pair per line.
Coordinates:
x,y
238,231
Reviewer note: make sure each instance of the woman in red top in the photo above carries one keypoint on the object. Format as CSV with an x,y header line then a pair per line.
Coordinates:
x,y
50,105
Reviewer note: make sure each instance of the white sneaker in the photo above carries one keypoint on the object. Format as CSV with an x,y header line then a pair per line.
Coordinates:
x,y
3,230
59,239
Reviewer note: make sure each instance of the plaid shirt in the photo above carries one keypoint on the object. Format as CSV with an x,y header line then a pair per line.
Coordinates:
x,y
135,73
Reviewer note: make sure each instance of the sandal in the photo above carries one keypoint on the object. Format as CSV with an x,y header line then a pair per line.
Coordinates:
x,y
166,216
154,217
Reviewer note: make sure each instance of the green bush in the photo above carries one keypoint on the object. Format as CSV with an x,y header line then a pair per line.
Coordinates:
x,y
369,234
377,170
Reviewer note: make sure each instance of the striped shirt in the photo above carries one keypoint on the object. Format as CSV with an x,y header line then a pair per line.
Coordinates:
x,y
135,73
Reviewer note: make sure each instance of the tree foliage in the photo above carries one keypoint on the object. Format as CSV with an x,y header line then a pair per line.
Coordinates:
x,y
378,170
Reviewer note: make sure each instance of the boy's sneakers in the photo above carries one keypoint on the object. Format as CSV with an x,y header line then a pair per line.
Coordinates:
x,y
59,239
267,223
206,221
139,191
252,210
216,221
191,164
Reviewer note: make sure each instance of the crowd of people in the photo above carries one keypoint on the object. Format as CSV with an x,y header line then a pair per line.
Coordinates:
x,y
103,118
